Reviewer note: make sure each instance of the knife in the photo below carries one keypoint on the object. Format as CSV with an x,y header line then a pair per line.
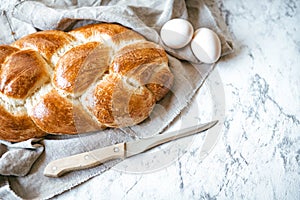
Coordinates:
x,y
123,150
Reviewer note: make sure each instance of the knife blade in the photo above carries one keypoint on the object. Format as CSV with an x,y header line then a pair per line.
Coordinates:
x,y
123,150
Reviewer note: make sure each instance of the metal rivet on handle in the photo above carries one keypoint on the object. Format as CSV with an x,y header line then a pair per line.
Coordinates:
x,y
116,149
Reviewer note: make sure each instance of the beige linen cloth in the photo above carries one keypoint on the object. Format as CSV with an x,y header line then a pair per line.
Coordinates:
x,y
22,164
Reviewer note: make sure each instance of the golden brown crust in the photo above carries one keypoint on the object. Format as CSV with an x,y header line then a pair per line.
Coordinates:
x,y
134,55
146,64
141,104
17,128
55,114
117,33
90,30
97,76
117,104
160,82
101,101
78,68
22,73
46,43
6,51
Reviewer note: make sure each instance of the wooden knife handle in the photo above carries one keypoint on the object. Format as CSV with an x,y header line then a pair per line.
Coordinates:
x,y
85,160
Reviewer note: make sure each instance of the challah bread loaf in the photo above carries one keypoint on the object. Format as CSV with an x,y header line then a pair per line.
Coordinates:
x,y
93,77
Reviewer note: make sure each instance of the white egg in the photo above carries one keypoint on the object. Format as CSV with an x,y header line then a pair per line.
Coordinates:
x,y
206,45
177,33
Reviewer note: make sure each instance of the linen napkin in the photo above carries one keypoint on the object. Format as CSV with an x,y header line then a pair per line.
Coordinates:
x,y
22,164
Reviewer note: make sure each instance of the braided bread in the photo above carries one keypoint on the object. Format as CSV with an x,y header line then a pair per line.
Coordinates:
x,y
93,77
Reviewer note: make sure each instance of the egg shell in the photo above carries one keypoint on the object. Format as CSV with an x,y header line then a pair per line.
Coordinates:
x,y
177,33
206,45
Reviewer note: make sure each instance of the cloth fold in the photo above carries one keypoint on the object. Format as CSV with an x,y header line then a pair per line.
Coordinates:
x,y
17,158
23,17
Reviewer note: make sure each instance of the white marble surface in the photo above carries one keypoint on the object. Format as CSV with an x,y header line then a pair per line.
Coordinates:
x,y
257,155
